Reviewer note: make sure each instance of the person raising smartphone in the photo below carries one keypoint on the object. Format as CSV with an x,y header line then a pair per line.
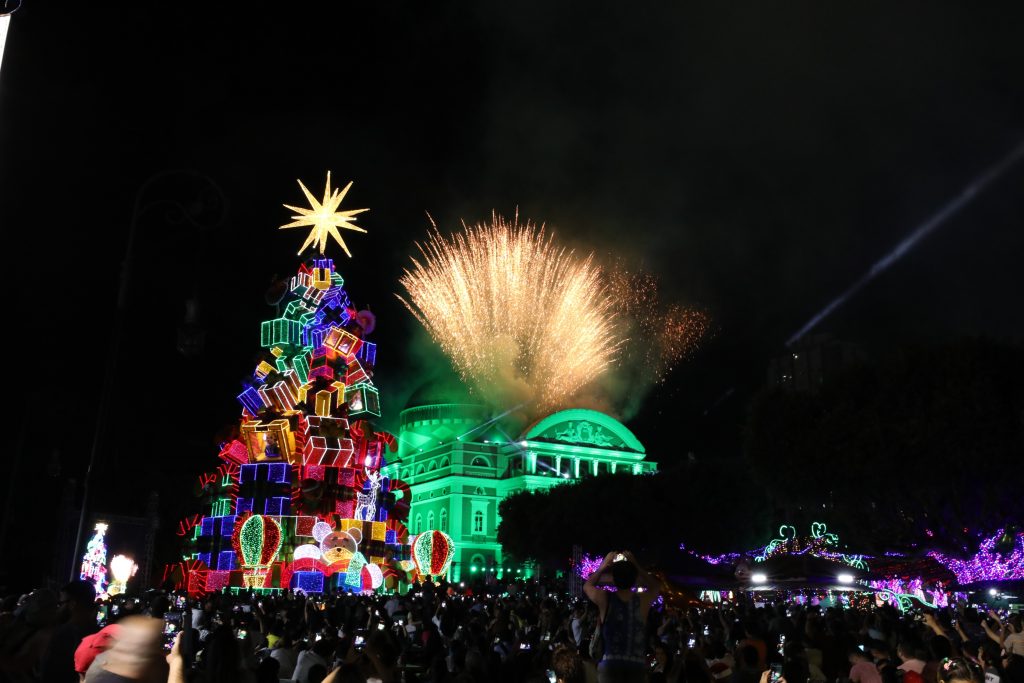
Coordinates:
x,y
623,617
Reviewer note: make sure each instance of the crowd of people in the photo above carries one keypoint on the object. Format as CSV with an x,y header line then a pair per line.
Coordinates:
x,y
523,631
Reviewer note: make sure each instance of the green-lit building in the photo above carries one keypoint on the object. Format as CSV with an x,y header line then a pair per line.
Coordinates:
x,y
460,464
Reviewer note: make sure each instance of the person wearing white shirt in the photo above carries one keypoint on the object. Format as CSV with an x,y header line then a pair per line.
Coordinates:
x,y
309,658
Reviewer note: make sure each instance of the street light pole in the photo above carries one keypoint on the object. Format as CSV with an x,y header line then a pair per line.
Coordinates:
x,y
183,212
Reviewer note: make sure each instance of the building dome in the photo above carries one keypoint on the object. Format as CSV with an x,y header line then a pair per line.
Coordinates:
x,y
442,389
438,412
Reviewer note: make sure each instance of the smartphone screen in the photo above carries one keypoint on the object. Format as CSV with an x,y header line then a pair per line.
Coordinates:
x,y
776,673
358,642
172,625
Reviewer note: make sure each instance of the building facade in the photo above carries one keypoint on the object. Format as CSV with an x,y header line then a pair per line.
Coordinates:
x,y
460,465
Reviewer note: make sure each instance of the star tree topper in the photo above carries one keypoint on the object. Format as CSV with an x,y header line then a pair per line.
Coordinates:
x,y
324,218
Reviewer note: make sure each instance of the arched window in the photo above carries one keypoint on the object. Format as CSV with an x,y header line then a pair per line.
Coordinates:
x,y
478,491
419,470
477,561
480,462
419,524
478,522
445,463
432,466
430,520
444,520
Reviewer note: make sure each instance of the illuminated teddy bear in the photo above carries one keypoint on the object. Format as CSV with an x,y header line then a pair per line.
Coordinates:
x,y
340,551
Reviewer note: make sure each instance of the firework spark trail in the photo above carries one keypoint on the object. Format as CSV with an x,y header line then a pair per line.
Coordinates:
x,y
521,318
662,335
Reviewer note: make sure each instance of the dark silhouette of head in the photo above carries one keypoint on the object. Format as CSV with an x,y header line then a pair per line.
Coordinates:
x,y
623,574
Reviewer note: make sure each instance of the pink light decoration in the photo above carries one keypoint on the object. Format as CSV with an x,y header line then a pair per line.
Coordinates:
x,y
588,565
987,564
215,580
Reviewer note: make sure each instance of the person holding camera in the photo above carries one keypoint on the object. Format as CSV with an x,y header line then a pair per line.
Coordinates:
x,y
622,617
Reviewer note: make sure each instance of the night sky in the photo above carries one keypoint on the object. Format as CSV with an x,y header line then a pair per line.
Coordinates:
x,y
757,157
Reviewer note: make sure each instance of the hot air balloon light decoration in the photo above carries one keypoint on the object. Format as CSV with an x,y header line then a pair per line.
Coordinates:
x,y
257,541
432,552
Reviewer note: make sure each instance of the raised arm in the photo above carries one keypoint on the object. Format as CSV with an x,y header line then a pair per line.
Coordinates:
x,y
999,637
596,595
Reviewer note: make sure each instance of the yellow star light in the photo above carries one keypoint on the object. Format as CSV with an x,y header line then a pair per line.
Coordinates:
x,y
324,217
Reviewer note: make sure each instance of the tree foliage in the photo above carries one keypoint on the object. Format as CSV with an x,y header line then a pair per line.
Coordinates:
x,y
708,505
927,439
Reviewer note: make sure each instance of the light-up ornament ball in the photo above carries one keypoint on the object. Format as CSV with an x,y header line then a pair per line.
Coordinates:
x,y
432,552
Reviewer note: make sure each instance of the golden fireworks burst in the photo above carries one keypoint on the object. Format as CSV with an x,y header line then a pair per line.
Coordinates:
x,y
514,312
661,335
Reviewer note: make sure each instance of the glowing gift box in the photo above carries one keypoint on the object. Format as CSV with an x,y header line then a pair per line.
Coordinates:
x,y
251,400
300,311
378,531
328,363
322,278
269,440
283,393
300,363
280,331
370,453
356,373
346,509
263,369
363,399
304,525
344,342
347,476
326,441
336,314
301,280
327,401
368,353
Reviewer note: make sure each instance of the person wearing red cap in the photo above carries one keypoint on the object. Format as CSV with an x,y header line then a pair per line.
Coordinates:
x,y
93,645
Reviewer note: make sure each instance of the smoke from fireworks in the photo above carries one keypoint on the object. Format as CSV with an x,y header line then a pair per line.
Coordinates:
x,y
522,319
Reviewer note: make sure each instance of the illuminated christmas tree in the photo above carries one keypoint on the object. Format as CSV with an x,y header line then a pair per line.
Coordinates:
x,y
299,500
94,562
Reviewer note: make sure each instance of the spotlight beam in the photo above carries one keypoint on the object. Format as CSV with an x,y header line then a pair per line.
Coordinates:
x,y
910,241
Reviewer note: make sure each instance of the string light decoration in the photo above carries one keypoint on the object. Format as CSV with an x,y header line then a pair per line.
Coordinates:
x,y
94,562
820,543
989,563
901,594
306,456
588,565
432,551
